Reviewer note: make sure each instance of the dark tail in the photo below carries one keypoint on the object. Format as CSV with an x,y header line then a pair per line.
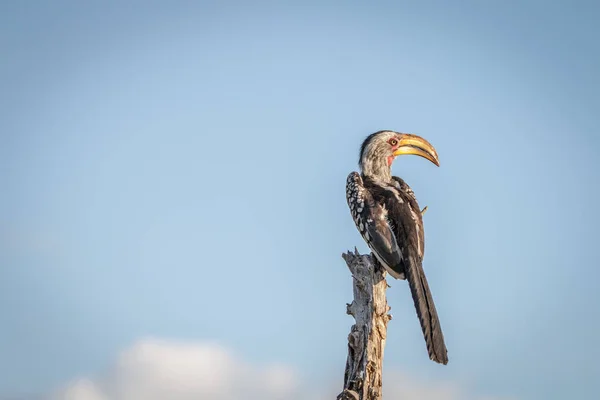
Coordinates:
x,y
430,323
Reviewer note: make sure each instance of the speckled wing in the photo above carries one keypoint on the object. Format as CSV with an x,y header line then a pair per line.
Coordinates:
x,y
372,223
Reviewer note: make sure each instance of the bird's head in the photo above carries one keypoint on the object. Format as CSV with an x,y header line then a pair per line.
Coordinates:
x,y
379,150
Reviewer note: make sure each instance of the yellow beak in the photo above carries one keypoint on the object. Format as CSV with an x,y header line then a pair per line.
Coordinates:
x,y
416,145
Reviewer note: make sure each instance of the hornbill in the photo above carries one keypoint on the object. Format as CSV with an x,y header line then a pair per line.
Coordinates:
x,y
388,217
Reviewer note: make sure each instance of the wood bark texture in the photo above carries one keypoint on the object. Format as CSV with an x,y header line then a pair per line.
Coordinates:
x,y
366,341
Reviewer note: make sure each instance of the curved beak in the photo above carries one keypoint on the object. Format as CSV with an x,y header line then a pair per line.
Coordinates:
x,y
416,145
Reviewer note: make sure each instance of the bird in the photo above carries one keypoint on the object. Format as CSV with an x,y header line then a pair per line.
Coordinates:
x,y
388,217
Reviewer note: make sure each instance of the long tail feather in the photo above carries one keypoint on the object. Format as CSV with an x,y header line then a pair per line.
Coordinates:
x,y
430,323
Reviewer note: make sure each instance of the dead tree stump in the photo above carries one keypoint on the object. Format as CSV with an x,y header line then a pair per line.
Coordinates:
x,y
366,341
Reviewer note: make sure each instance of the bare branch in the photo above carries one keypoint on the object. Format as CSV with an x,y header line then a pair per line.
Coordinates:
x,y
366,341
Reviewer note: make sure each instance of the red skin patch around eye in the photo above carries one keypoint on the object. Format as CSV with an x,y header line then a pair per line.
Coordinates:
x,y
394,143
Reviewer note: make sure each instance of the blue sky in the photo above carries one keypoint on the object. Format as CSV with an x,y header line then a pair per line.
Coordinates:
x,y
177,170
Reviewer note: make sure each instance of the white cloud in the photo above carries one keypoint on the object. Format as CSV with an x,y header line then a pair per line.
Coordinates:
x,y
83,389
157,370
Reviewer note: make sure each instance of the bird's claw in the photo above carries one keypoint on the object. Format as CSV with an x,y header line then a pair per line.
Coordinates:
x,y
423,210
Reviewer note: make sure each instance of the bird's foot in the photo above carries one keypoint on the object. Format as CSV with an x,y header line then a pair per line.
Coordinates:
x,y
423,210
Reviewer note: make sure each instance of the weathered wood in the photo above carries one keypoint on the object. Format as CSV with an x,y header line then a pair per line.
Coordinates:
x,y
366,341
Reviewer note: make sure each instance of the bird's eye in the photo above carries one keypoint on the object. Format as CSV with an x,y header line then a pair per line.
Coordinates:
x,y
393,142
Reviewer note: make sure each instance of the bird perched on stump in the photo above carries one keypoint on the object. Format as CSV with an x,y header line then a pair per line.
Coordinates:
x,y
389,219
